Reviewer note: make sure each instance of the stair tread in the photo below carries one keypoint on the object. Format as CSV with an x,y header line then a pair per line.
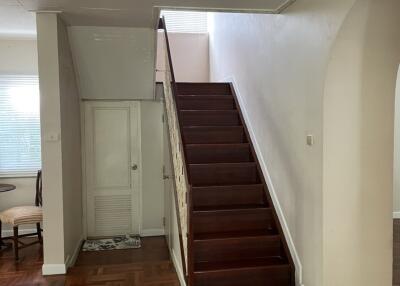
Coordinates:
x,y
217,145
230,207
230,186
203,88
216,127
210,110
224,164
250,263
205,96
236,234
225,210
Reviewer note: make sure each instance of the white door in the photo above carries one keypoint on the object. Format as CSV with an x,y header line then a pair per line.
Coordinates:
x,y
112,168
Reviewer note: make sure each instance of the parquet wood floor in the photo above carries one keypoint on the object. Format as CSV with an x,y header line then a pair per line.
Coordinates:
x,y
147,266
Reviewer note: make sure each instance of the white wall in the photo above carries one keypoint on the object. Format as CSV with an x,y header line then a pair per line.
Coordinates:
x,y
152,164
358,146
60,127
18,57
396,181
114,62
336,196
71,147
278,64
190,56
50,118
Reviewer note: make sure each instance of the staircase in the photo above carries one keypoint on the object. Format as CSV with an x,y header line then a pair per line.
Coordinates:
x,y
234,235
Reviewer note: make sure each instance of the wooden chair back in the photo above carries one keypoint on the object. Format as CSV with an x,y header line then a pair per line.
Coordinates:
x,y
38,197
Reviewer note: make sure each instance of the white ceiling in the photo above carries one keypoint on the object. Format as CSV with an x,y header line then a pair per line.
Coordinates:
x,y
16,20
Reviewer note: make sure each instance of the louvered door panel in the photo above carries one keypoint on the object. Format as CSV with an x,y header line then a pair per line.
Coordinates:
x,y
113,214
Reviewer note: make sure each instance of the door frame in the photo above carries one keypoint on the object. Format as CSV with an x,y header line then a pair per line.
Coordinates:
x,y
138,175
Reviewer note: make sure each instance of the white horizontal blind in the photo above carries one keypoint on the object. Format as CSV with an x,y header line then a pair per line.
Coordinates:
x,y
19,125
186,22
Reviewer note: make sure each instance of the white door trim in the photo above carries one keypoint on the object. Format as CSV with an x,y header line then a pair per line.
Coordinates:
x,y
137,175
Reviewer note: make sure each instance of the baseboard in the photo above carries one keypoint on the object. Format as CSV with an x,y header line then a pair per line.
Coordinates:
x,y
10,232
70,261
53,269
396,215
152,232
263,165
178,268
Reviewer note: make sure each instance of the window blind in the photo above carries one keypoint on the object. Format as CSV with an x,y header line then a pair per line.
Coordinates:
x,y
19,125
186,22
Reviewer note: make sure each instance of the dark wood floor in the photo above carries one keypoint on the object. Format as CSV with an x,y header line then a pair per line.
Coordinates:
x,y
147,266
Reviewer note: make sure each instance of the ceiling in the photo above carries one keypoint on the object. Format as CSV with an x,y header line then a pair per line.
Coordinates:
x,y
16,21
15,18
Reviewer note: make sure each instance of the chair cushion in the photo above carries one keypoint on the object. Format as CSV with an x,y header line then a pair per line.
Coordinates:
x,y
22,215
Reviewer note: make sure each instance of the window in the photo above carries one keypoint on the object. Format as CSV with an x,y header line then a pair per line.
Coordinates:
x,y
19,125
186,22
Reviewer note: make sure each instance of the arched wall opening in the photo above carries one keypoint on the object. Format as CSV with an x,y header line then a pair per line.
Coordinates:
x,y
358,125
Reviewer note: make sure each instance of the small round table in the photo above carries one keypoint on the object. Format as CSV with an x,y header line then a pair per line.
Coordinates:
x,y
5,188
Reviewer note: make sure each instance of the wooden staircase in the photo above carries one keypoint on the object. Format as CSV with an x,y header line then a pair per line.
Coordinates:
x,y
235,238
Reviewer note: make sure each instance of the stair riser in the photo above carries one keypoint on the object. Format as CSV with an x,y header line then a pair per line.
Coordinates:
x,y
222,250
213,136
215,154
276,276
203,89
223,174
227,221
227,196
196,103
216,118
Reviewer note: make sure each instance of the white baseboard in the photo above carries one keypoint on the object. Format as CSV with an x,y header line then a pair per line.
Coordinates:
x,y
263,165
53,269
59,269
10,232
396,215
70,261
152,232
178,269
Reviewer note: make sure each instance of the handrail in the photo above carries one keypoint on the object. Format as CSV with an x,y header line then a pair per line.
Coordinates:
x,y
164,27
178,155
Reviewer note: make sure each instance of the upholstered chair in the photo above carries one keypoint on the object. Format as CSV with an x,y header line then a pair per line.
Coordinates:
x,y
24,215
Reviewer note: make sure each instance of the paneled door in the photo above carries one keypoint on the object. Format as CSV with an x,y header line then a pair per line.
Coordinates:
x,y
112,168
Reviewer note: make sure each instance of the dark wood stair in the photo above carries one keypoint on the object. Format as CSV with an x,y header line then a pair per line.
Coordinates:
x,y
235,238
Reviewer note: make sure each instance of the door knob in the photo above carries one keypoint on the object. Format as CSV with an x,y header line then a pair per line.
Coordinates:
x,y
134,167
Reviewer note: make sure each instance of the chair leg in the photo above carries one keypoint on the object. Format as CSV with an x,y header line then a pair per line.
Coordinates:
x,y
16,243
1,238
39,232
